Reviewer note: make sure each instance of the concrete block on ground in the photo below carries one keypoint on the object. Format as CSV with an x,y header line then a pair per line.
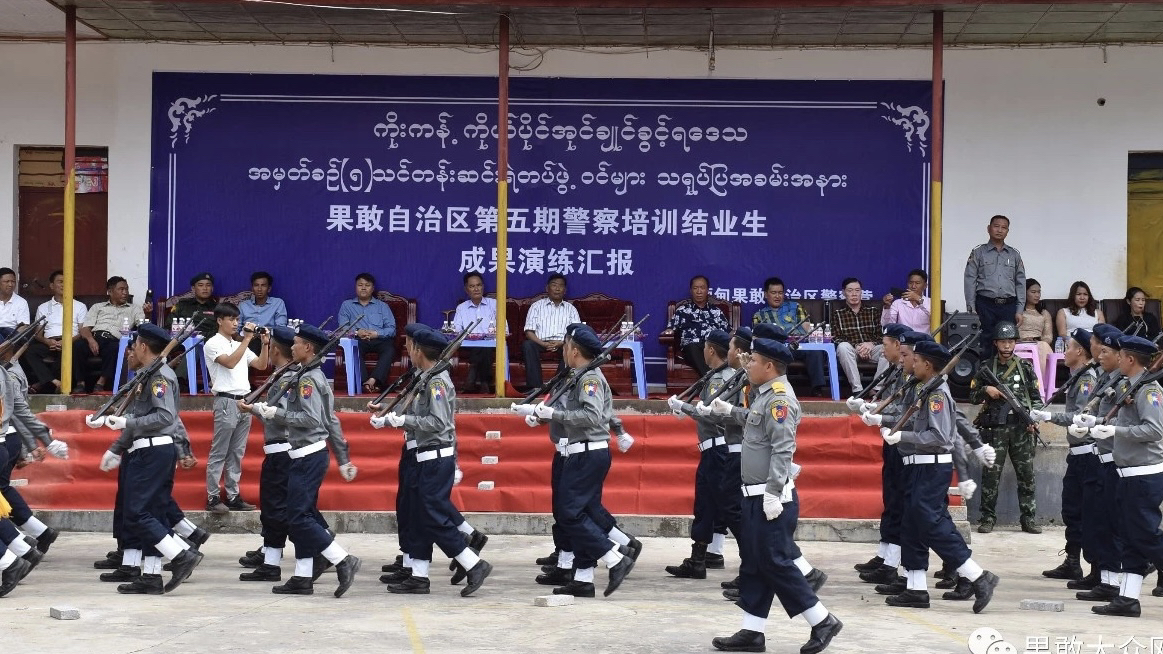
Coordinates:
x,y
492,435
64,613
485,485
489,460
1041,605
553,600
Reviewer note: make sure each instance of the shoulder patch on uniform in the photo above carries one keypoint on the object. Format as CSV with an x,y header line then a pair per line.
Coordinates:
x,y
159,387
779,388
306,388
1086,386
1154,397
779,409
438,389
590,387
714,387
936,402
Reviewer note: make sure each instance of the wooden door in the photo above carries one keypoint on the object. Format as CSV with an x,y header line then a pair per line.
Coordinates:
x,y
41,240
1145,222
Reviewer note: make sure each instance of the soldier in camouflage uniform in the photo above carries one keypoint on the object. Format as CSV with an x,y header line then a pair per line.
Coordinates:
x,y
1006,430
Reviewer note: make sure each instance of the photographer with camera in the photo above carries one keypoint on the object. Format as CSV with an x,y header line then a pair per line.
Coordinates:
x,y
228,361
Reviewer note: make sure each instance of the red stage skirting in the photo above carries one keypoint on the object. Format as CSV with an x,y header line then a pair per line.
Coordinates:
x,y
840,456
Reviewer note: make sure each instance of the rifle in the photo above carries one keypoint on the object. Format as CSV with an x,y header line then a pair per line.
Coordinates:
x,y
900,391
122,396
22,337
932,385
257,393
400,381
882,379
408,395
1128,398
565,373
1061,392
1015,406
694,388
1110,385
320,354
602,358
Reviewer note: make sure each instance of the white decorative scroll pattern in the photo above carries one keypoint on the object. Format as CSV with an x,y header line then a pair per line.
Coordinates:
x,y
913,120
182,114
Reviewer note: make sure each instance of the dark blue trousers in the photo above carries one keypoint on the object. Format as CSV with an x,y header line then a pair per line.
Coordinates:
x,y
578,500
892,492
8,532
767,571
926,522
731,512
560,542
10,457
303,481
1139,500
991,314
1101,518
432,509
405,519
148,483
710,496
272,495
1079,468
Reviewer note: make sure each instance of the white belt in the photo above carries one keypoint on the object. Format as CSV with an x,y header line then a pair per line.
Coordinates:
x,y
924,459
1082,449
276,447
308,449
1,439
751,490
1105,458
737,448
578,448
432,454
712,442
148,442
11,430
1139,471
409,445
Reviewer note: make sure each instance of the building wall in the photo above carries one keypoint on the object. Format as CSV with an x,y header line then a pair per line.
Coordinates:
x,y
1024,133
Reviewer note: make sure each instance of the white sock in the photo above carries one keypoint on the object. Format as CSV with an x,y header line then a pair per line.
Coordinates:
x,y
716,546
420,568
565,560
33,527
892,556
185,528
335,553
7,559
754,622
618,536
882,550
612,558
1104,576
131,558
970,570
803,565
584,575
169,547
1132,585
305,568
151,565
815,615
179,542
272,555
916,580
407,560
467,558
19,547
465,528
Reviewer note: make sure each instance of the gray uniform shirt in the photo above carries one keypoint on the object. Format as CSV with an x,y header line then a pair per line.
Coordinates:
x,y
430,418
307,414
272,430
589,406
1106,403
732,424
1077,395
706,427
994,273
769,435
18,415
153,411
1138,439
934,425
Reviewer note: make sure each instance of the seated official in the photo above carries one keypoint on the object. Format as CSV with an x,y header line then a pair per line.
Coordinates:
x,y
261,309
790,317
545,329
42,361
375,333
13,308
480,359
912,309
856,331
201,306
101,336
693,319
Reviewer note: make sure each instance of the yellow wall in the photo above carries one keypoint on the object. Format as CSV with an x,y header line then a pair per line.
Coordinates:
x,y
1145,225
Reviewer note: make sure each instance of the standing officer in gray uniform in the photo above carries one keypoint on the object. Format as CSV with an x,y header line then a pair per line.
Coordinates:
x,y
995,281
767,571
1138,453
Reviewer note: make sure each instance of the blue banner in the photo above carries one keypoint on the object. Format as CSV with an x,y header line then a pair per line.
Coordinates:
x,y
627,186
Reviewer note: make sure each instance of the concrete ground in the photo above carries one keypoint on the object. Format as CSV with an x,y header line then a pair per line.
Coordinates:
x,y
214,612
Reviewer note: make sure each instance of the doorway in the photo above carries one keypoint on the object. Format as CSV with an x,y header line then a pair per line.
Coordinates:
x,y
1145,221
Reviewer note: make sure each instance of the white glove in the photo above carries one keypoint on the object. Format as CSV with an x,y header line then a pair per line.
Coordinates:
x,y
457,477
854,403
109,461
986,454
868,407
543,412
116,423
1040,416
379,422
265,411
702,409
624,442
95,422
532,421
889,437
968,488
1102,432
772,506
1077,431
394,419
59,449
674,403
720,408
1085,420
522,409
347,471
871,419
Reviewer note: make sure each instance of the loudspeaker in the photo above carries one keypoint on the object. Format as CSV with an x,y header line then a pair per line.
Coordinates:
x,y
961,327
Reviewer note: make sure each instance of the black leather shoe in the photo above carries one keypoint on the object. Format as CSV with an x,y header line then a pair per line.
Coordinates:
x,y
559,577
182,565
963,591
263,572
396,577
822,634
143,585
199,537
619,572
946,584
983,589
1100,593
872,564
635,548
477,541
895,588
732,594
945,572
690,569
16,571
236,503
46,539
577,589
882,575
458,572
734,583
411,586
910,599
1068,569
548,560
112,561
1119,606
715,561
1158,591
318,567
122,574
345,570
33,555
252,559
816,579
476,577
295,586
743,640
1086,583
396,566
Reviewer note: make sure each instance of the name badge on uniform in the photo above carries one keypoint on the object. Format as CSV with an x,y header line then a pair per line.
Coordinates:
x,y
159,388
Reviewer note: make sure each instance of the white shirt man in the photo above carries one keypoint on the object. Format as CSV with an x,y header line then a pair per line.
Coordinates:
x,y
13,308
54,312
545,328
